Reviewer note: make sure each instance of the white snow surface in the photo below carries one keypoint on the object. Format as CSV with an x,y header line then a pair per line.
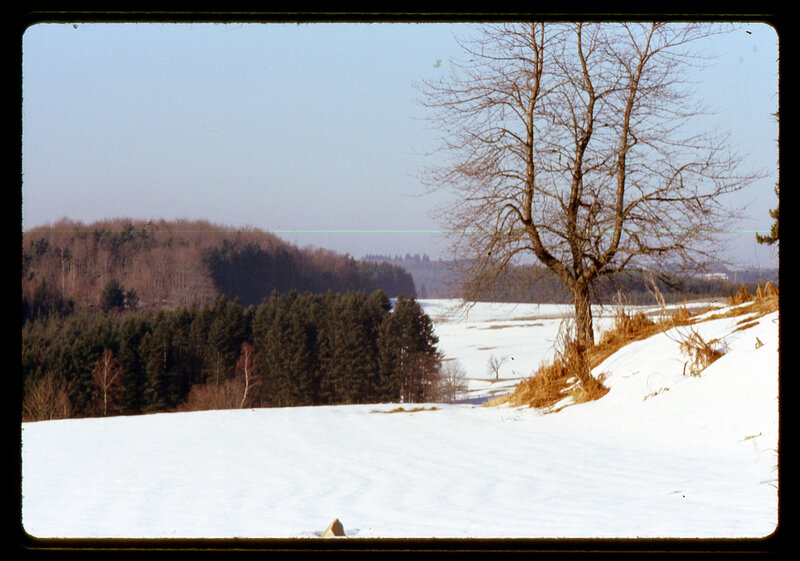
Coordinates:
x,y
661,455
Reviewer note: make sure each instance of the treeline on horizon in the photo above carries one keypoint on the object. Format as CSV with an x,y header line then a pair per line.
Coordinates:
x,y
292,349
438,278
169,264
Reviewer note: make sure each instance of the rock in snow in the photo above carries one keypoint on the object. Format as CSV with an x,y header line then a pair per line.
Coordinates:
x,y
335,528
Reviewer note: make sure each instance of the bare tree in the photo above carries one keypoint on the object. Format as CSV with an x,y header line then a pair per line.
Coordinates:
x,y
247,369
569,143
494,365
107,378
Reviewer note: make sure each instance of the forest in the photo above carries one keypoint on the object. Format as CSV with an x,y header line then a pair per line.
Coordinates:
x,y
131,317
292,349
166,265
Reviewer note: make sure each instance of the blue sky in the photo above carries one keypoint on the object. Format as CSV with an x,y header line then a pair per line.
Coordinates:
x,y
313,130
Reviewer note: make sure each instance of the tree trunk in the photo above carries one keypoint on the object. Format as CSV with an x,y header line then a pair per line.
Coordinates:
x,y
583,316
584,333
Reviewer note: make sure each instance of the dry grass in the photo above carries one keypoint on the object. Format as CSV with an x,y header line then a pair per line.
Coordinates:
x,y
765,301
629,327
765,297
404,410
701,353
742,296
545,388
745,324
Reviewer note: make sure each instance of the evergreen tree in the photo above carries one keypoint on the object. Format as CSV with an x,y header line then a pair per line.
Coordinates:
x,y
155,348
131,299
198,337
773,235
327,345
45,301
284,338
131,332
185,357
113,297
226,333
409,361
377,309
91,334
348,356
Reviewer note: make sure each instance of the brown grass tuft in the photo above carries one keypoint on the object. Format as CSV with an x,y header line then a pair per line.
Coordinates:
x,y
569,374
543,389
590,389
701,353
742,296
680,316
626,328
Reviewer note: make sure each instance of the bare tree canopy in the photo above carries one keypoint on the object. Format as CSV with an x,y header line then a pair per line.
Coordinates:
x,y
576,144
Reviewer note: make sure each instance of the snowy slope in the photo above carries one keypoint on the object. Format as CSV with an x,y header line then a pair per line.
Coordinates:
x,y
661,455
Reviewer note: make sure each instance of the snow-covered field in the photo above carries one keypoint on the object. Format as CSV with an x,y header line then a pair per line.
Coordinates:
x,y
661,455
518,336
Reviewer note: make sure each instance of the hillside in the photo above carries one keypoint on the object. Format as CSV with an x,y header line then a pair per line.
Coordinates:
x,y
163,265
662,455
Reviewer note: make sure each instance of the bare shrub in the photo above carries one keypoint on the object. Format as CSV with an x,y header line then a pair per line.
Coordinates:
x,y
46,398
632,326
452,380
209,396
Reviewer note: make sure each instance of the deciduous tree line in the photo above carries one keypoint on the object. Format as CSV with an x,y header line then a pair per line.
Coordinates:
x,y
291,349
167,265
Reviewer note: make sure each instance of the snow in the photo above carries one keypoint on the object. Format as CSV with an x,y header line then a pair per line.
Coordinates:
x,y
662,454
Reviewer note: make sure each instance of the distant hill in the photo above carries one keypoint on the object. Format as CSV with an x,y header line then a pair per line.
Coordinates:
x,y
437,278
433,278
167,264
